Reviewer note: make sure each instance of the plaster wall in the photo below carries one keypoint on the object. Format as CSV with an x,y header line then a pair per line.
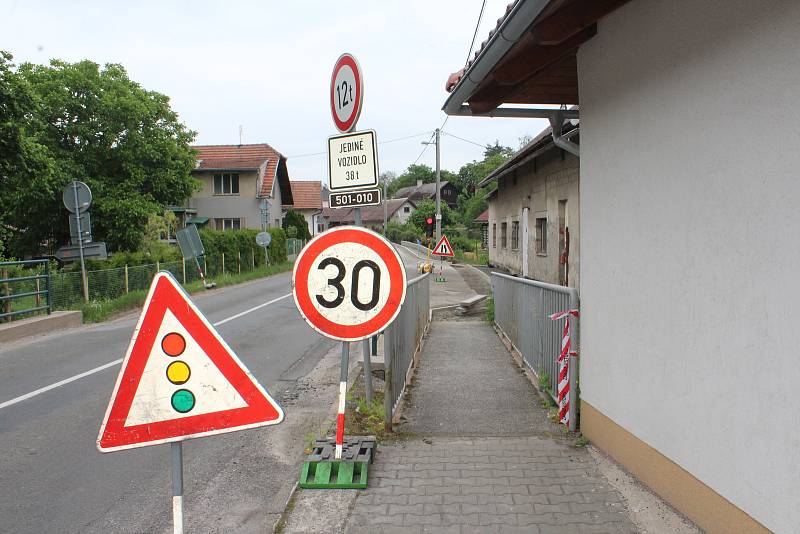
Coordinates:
x,y
689,286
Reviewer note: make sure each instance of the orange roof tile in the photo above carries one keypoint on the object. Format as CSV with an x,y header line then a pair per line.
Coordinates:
x,y
307,195
241,157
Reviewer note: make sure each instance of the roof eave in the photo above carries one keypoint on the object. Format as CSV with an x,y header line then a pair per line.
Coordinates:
x,y
506,36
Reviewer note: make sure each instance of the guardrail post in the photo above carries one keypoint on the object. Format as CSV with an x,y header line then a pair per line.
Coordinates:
x,y
573,363
158,265
49,286
239,262
388,390
223,264
126,278
6,292
183,269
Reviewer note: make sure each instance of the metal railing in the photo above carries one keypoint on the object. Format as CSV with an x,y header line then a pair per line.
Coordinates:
x,y
21,290
521,309
402,340
293,247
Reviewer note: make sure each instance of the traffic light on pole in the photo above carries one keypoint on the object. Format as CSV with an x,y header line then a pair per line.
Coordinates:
x,y
429,226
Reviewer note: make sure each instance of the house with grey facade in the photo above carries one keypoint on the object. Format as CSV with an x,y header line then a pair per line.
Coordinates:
x,y
241,186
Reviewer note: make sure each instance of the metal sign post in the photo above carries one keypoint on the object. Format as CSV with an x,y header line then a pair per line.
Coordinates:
x,y
77,198
177,487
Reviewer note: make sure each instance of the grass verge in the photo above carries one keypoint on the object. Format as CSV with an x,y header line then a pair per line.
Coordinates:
x,y
100,310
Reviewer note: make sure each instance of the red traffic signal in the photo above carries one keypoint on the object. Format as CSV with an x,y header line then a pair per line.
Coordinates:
x,y
429,220
429,226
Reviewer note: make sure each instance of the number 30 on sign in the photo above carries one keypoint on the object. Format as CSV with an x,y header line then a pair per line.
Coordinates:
x,y
349,283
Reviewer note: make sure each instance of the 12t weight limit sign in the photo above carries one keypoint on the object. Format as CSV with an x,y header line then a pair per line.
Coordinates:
x,y
349,283
347,93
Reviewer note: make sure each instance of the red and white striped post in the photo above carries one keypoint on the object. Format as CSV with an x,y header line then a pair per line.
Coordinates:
x,y
564,368
342,399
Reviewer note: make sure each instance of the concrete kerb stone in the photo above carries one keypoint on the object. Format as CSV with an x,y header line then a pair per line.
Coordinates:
x,y
289,505
40,324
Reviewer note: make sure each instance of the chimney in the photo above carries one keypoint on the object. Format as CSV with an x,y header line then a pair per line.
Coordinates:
x,y
419,183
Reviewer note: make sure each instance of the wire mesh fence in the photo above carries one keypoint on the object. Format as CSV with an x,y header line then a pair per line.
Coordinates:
x,y
107,284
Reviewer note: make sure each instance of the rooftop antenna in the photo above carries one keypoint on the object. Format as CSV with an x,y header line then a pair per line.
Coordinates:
x,y
241,134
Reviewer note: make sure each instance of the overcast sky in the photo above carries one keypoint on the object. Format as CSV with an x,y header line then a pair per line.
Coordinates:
x,y
266,65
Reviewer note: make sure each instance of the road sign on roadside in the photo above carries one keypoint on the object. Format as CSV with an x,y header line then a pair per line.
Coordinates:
x,y
347,93
85,222
443,247
189,242
353,160
179,379
96,250
80,191
352,199
349,283
263,239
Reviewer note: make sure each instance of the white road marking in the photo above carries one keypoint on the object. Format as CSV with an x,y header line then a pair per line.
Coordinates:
x,y
103,367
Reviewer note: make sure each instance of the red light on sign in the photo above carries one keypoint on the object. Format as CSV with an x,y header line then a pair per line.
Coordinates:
x,y
429,220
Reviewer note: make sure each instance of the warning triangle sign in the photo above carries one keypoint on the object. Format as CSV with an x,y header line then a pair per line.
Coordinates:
x,y
179,379
443,247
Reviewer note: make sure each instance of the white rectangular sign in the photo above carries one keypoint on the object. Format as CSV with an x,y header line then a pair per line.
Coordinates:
x,y
353,160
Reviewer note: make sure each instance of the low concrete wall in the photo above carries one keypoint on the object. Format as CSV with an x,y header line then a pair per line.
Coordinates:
x,y
40,324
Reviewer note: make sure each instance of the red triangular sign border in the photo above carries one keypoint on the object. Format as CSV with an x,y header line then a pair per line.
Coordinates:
x,y
443,239
165,293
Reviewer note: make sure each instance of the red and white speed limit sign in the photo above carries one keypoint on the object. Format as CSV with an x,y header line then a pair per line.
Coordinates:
x,y
349,283
347,93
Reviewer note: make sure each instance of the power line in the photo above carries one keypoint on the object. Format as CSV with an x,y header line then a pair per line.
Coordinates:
x,y
474,35
379,142
465,140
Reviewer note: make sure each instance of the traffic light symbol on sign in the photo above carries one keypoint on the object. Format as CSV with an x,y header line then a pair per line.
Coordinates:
x,y
178,372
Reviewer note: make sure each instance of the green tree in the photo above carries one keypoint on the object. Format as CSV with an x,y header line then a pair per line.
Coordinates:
x,y
295,219
96,125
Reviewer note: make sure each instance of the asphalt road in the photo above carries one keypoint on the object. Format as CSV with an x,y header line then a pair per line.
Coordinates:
x,y
55,480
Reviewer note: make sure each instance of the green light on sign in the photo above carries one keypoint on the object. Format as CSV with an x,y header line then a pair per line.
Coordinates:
x,y
183,400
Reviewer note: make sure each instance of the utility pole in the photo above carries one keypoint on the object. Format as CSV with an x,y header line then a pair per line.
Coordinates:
x,y
438,191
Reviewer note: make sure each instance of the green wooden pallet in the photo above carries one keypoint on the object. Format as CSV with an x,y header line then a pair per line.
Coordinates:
x,y
334,474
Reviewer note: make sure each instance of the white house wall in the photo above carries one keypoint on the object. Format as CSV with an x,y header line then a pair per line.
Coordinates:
x,y
689,255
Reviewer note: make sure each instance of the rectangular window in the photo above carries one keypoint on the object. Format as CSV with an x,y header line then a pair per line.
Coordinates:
x,y
226,184
406,209
228,224
494,235
514,235
504,235
541,236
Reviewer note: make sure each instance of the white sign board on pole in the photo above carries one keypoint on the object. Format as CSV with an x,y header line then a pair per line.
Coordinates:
x,y
353,160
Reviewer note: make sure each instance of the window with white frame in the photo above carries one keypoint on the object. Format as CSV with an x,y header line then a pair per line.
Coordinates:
x,y
541,236
226,184
228,224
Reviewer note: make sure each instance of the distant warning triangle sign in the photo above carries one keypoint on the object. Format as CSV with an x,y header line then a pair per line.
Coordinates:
x,y
443,247
180,380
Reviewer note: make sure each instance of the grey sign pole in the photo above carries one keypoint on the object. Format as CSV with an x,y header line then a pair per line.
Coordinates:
x,y
366,351
438,191
80,241
177,487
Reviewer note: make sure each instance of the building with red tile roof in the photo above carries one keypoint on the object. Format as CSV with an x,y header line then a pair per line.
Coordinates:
x,y
241,186
307,197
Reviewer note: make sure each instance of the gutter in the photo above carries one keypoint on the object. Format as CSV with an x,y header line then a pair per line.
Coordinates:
x,y
511,30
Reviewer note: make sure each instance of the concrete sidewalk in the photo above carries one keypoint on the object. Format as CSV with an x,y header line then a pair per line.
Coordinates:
x,y
475,452
483,457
